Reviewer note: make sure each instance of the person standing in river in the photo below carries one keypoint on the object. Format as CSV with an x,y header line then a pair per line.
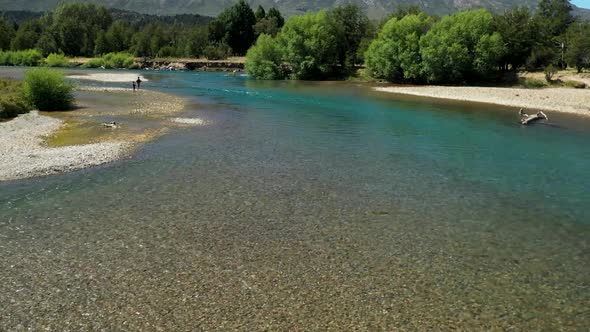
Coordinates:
x,y
138,82
133,86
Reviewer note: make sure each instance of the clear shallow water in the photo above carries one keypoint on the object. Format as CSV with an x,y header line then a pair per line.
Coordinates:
x,y
310,205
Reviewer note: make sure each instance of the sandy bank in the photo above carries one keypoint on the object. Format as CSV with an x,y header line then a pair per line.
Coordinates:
x,y
109,77
575,101
189,121
23,153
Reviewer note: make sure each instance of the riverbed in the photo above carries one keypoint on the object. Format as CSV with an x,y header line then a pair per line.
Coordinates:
x,y
309,206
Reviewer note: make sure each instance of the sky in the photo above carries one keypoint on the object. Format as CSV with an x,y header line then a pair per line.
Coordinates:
x,y
582,3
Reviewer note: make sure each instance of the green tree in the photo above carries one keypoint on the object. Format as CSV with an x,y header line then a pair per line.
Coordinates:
x,y
46,43
519,34
78,25
197,41
453,50
216,31
260,13
555,15
26,36
6,34
352,25
309,45
268,25
395,54
273,12
400,13
118,36
578,51
239,23
264,59
102,45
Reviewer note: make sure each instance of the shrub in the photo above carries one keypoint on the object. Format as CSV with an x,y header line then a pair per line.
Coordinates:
x,y
532,83
93,63
263,60
12,102
47,90
217,52
550,71
118,60
21,58
57,60
112,60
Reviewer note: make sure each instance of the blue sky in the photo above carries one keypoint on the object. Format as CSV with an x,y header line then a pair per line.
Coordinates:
x,y
582,3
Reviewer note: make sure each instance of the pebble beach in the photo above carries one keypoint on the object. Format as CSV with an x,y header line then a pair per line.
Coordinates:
x,y
573,101
24,153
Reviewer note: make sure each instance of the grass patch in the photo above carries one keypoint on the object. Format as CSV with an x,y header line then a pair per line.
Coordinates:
x,y
532,83
12,101
48,90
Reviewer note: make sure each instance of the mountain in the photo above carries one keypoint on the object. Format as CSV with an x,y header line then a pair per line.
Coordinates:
x,y
374,8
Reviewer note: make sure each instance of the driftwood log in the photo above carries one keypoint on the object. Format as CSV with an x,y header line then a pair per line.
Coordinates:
x,y
526,119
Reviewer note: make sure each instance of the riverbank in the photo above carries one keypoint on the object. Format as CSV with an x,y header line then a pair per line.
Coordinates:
x,y
38,144
573,101
229,64
25,154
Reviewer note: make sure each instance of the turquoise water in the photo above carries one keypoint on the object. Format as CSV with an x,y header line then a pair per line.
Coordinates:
x,y
310,206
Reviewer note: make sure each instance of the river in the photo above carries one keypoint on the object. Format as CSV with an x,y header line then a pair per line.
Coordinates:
x,y
310,206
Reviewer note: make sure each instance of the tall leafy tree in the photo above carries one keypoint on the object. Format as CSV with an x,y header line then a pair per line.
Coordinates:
x,y
520,36
395,54
556,15
578,51
260,13
78,25
275,13
461,47
264,59
6,33
309,45
351,25
27,35
197,42
239,23
270,24
119,36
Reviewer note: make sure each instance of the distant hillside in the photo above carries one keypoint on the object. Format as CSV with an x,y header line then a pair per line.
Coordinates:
x,y
375,8
135,18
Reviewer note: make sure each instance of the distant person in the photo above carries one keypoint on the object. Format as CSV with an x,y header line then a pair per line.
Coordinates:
x,y
133,86
138,82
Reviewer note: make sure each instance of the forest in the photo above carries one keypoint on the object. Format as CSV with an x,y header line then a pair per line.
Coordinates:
x,y
408,46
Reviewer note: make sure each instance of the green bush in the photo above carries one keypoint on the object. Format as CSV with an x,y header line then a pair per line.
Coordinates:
x,y
94,63
48,90
57,60
263,60
112,60
12,102
532,83
118,60
218,51
550,71
21,58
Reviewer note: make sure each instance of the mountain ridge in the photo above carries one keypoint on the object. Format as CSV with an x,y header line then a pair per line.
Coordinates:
x,y
374,8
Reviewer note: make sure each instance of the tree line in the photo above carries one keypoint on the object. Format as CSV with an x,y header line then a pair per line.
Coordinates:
x,y
81,29
411,46
407,46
